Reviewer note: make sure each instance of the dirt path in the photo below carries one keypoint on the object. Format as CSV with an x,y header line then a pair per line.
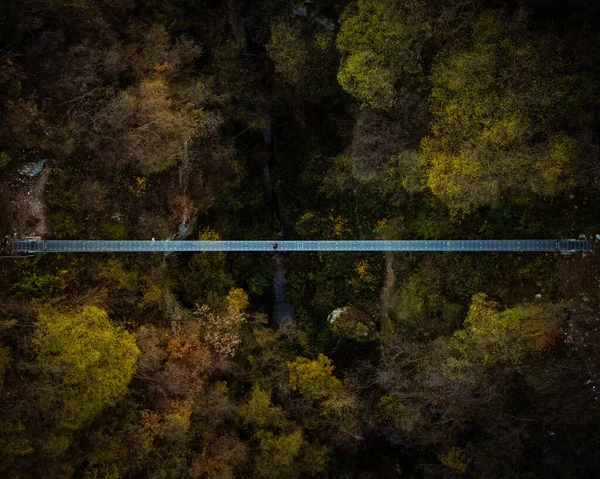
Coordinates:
x,y
389,281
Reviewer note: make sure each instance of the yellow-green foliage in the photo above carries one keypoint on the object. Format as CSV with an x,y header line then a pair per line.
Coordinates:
x,y
454,459
156,286
420,309
278,454
461,180
287,49
288,456
56,444
491,335
561,149
364,278
310,224
365,76
314,378
35,286
237,299
14,439
111,230
177,422
404,417
152,296
496,105
93,359
114,273
208,234
5,159
381,41
261,413
139,186
302,58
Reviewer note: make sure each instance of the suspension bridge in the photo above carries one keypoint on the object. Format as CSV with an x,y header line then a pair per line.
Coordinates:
x,y
37,245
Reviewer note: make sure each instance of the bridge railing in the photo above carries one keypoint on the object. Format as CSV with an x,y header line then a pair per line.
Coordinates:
x,y
27,245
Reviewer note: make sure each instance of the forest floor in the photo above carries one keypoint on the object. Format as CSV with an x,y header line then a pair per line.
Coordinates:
x,y
579,273
388,284
26,198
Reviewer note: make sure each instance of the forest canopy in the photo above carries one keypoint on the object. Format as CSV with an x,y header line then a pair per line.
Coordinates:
x,y
301,120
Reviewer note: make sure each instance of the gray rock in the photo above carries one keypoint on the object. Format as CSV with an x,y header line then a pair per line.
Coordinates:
x,y
32,169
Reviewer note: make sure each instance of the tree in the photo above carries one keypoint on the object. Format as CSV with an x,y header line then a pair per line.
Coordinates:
x,y
500,103
223,331
183,376
381,42
288,456
259,411
93,359
220,458
314,378
206,278
421,308
365,76
494,336
5,361
150,128
23,124
454,459
352,322
121,96
278,454
376,139
304,59
237,299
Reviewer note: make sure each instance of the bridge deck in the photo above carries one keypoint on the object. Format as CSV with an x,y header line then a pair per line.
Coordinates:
x,y
86,246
